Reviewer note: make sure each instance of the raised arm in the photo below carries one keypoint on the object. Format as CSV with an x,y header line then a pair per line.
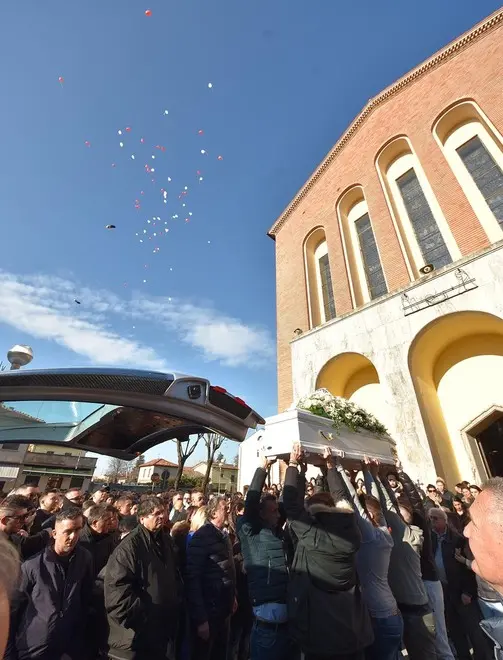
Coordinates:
x,y
252,502
294,488
411,491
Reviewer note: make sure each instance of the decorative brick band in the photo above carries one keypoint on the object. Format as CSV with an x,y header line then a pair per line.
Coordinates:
x,y
384,96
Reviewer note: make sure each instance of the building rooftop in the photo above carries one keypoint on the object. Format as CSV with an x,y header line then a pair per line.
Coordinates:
x,y
159,462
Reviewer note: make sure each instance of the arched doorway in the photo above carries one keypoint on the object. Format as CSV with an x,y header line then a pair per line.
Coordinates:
x,y
456,364
354,377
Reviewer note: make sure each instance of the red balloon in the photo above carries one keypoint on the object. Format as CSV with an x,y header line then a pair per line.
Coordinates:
x,y
148,12
128,128
220,158
61,79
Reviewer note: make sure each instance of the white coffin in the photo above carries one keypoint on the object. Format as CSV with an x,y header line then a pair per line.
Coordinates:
x,y
281,431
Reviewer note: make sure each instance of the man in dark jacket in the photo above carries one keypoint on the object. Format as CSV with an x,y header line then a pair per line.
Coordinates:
x,y
143,590
50,608
177,513
14,511
327,615
266,569
211,585
429,572
462,612
97,538
50,503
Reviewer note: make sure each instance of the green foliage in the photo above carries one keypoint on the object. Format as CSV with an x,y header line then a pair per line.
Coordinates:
x,y
187,482
342,412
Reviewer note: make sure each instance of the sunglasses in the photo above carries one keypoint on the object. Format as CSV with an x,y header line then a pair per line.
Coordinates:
x,y
24,516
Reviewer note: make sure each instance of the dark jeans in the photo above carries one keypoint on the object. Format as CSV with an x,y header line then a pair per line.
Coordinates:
x,y
464,629
418,637
217,646
388,634
271,642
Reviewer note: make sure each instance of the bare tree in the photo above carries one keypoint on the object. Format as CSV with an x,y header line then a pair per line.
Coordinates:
x,y
117,469
235,460
213,442
135,472
185,447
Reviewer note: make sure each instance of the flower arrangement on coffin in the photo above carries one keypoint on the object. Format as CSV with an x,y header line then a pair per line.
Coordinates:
x,y
341,411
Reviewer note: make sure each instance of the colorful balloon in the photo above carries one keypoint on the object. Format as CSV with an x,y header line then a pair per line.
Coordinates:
x,y
148,12
61,80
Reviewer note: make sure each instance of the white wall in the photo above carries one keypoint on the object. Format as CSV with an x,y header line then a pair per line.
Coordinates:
x,y
382,332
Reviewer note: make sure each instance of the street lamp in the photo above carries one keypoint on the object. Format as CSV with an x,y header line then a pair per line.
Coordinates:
x,y
19,356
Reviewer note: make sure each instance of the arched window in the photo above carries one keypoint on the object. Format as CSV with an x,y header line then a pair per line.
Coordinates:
x,y
319,280
422,227
474,150
361,250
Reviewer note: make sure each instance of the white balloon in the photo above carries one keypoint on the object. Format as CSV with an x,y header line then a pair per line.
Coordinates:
x,y
210,85
119,132
121,144
132,156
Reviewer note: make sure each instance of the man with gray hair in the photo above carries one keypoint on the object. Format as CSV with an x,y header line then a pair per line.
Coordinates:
x,y
143,590
485,535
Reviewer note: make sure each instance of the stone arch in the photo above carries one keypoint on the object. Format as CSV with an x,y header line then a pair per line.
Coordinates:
x,y
456,362
353,376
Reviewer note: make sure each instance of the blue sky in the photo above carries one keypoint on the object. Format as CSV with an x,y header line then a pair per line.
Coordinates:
x,y
287,77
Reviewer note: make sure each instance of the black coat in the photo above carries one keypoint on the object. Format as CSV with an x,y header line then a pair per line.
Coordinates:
x,y
142,596
263,550
421,520
28,546
460,579
210,575
50,607
100,546
325,608
41,517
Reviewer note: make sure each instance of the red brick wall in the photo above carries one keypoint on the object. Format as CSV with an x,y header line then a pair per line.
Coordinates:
x,y
473,73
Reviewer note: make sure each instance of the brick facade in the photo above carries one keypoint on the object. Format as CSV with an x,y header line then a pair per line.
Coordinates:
x,y
467,69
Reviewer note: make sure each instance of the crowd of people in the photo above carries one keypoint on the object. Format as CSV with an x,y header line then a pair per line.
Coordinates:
x,y
357,564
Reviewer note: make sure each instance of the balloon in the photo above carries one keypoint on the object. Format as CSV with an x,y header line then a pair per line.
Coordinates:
x,y
128,129
166,112
119,132
220,158
110,227
203,151
77,301
87,143
210,85
200,132
61,79
121,144
148,12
